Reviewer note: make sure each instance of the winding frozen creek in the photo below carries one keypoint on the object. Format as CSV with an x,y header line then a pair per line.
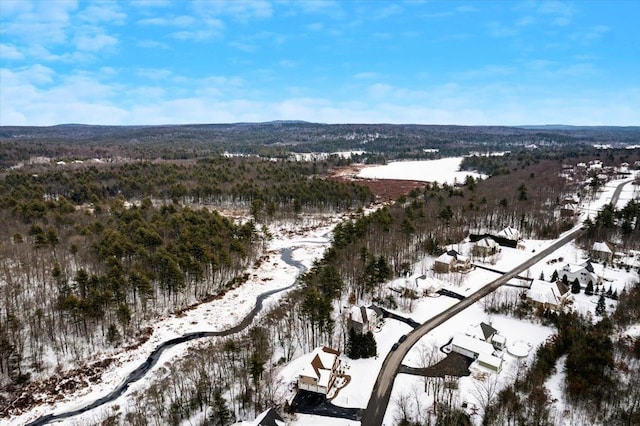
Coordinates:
x,y
287,270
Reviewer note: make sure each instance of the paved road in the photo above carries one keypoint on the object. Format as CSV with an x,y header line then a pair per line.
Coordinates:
x,y
375,411
144,368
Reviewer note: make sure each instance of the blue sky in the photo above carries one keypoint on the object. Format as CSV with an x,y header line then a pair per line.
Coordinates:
x,y
426,62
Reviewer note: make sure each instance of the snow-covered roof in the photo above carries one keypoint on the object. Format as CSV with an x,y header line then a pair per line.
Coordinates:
x,y
573,268
544,292
429,284
489,359
482,331
445,258
268,417
509,233
321,364
471,344
601,247
487,242
356,314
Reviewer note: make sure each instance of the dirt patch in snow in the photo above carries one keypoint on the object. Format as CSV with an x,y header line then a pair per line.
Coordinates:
x,y
383,189
52,389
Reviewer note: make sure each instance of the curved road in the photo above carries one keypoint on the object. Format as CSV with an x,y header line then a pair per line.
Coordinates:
x,y
153,358
375,411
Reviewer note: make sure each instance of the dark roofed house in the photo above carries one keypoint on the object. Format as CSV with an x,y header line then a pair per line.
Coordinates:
x,y
268,417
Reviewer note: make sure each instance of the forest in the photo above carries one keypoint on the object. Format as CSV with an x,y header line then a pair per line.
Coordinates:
x,y
92,253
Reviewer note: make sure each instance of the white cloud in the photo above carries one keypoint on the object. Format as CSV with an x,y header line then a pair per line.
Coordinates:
x,y
152,44
497,29
365,75
153,73
590,34
173,21
94,43
9,52
559,12
240,10
485,72
43,21
103,12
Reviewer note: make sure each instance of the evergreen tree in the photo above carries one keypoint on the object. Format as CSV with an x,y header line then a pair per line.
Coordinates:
x,y
575,286
542,276
554,276
352,345
601,309
589,290
220,414
565,280
370,348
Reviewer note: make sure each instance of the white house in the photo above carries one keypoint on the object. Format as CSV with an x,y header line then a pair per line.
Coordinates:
x,y
583,272
319,374
485,247
487,333
362,319
509,233
451,261
421,284
469,346
268,417
548,295
490,362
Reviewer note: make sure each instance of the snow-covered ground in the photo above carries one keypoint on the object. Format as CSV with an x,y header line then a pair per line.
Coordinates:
x,y
443,170
629,192
309,243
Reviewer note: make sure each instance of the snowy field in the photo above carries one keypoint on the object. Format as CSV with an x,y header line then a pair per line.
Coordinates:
x,y
441,171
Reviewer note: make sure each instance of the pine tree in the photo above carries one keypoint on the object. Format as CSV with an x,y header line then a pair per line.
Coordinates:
x,y
554,276
542,276
370,348
601,309
220,414
575,286
589,290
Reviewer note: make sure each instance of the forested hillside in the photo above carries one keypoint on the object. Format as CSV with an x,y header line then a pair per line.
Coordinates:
x,y
90,255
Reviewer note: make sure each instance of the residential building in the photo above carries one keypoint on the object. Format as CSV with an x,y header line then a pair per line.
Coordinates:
x,y
601,251
470,346
485,247
268,417
451,261
320,373
509,233
583,272
362,319
549,295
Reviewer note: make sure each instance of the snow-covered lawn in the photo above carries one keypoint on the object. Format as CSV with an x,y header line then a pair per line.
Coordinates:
x,y
514,330
443,170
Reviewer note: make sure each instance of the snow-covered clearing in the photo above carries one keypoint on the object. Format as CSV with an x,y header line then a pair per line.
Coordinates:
x,y
443,170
